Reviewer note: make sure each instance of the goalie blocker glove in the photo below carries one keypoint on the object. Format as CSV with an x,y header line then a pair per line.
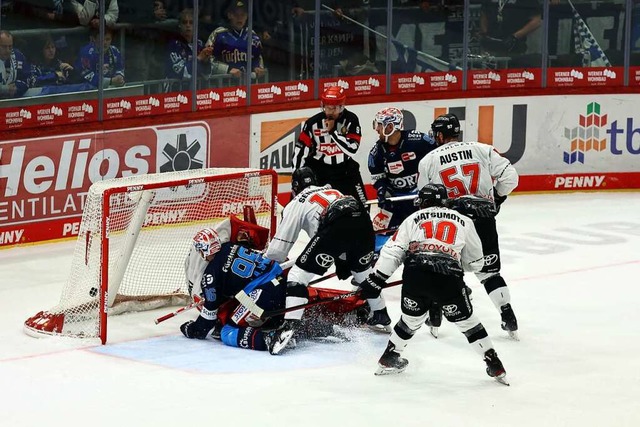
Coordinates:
x,y
373,285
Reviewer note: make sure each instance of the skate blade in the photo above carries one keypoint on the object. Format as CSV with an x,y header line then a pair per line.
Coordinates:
x,y
283,343
514,335
380,328
434,331
502,380
388,371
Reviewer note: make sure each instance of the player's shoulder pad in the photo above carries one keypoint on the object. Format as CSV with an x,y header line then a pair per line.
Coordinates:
x,y
374,150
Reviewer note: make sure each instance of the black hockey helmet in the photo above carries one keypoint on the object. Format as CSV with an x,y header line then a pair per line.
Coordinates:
x,y
302,178
446,124
431,195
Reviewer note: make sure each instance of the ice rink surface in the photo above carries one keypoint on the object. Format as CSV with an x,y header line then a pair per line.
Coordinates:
x,y
572,262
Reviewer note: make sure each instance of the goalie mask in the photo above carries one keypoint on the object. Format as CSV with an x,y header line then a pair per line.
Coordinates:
x,y
431,195
207,242
385,117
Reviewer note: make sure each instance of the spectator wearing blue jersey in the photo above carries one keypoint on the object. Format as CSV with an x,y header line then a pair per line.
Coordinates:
x,y
15,71
230,45
179,63
88,61
47,69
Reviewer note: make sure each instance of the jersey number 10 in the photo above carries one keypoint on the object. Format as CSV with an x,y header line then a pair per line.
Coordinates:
x,y
444,231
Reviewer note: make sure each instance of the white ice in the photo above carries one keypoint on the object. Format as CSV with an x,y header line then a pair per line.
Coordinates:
x,y
572,262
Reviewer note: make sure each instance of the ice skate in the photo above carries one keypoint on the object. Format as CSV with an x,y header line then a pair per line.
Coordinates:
x,y
390,362
217,330
434,319
433,330
495,369
509,322
278,340
380,321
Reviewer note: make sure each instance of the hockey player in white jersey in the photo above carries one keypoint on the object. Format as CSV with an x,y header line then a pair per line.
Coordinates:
x,y
340,231
435,244
474,169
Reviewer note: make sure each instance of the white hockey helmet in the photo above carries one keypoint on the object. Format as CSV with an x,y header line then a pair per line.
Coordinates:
x,y
207,242
389,116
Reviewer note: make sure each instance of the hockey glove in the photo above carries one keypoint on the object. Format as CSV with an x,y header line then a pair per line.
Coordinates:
x,y
473,207
510,43
498,199
383,194
198,329
372,286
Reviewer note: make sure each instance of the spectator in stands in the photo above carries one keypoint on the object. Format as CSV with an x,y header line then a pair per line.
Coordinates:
x,y
46,10
88,61
47,69
230,44
15,71
179,64
205,12
145,42
505,25
89,10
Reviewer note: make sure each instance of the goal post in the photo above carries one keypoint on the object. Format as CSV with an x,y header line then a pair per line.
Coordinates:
x,y
134,237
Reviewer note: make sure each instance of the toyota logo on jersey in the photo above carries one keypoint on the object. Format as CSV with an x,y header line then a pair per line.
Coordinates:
x,y
365,260
324,260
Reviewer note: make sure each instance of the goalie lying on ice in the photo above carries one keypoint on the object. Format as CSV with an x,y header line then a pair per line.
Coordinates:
x,y
235,271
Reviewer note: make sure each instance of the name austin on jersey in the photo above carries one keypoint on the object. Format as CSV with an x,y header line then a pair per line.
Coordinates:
x,y
455,156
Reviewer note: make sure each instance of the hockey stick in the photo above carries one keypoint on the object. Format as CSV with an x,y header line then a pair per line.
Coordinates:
x,y
272,313
392,199
431,58
167,316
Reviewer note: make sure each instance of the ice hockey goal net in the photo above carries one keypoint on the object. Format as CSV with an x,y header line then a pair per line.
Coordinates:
x,y
134,237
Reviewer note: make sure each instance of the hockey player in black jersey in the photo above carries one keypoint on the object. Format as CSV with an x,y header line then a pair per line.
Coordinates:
x,y
327,144
393,164
340,231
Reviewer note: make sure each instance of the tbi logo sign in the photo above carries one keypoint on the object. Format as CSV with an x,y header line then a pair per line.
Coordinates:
x,y
48,179
590,135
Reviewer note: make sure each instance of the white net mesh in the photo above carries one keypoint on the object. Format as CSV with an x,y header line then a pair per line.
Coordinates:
x,y
152,219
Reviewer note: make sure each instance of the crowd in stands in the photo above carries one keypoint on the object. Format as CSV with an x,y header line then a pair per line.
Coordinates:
x,y
159,35
51,44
